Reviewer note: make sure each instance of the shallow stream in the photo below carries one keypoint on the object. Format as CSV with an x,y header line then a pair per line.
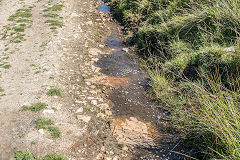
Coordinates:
x,y
131,100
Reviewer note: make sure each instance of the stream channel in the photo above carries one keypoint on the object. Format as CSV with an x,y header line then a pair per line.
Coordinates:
x,y
138,121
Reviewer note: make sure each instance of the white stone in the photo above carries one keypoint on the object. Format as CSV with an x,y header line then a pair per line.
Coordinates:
x,y
84,118
94,102
88,83
79,110
49,111
89,23
125,49
94,51
101,46
41,131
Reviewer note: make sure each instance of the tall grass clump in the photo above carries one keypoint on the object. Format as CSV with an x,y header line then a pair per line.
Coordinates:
x,y
182,43
218,112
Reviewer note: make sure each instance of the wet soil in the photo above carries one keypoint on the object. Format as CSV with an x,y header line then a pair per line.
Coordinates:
x,y
131,100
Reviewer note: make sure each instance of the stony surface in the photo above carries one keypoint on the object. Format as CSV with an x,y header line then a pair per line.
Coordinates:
x,y
55,57
133,132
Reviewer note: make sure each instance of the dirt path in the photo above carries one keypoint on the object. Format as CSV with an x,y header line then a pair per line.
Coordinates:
x,y
36,58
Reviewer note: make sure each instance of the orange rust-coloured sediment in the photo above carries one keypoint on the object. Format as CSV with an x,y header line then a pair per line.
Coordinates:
x,y
111,81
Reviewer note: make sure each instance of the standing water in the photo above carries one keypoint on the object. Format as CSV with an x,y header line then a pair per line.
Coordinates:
x,y
104,8
138,121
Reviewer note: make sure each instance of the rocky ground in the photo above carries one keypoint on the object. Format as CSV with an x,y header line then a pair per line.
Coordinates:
x,y
54,99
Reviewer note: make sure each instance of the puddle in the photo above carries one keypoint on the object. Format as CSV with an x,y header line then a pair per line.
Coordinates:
x,y
104,8
135,115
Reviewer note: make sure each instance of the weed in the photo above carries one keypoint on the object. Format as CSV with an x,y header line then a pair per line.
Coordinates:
x,y
54,23
23,155
54,156
54,131
44,43
7,66
6,57
22,135
55,109
1,89
36,72
33,142
21,13
6,49
57,7
55,92
51,15
36,107
41,123
87,107
24,21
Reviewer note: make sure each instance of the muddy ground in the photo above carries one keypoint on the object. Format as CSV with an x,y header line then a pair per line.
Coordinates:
x,y
97,92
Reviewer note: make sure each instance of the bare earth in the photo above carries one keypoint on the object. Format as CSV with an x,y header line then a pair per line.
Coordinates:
x,y
48,58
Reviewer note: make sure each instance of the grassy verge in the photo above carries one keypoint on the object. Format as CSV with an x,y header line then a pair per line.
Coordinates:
x,y
184,43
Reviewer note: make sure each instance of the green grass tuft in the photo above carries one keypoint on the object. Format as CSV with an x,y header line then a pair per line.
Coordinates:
x,y
55,92
1,89
218,111
57,7
19,28
54,131
54,23
54,156
41,123
23,155
36,107
21,13
7,66
51,15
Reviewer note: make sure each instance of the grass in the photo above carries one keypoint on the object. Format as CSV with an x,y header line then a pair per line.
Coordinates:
x,y
20,21
21,13
36,72
182,43
41,123
54,156
57,7
54,131
36,107
51,15
55,92
1,89
23,155
218,112
19,28
54,23
7,66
